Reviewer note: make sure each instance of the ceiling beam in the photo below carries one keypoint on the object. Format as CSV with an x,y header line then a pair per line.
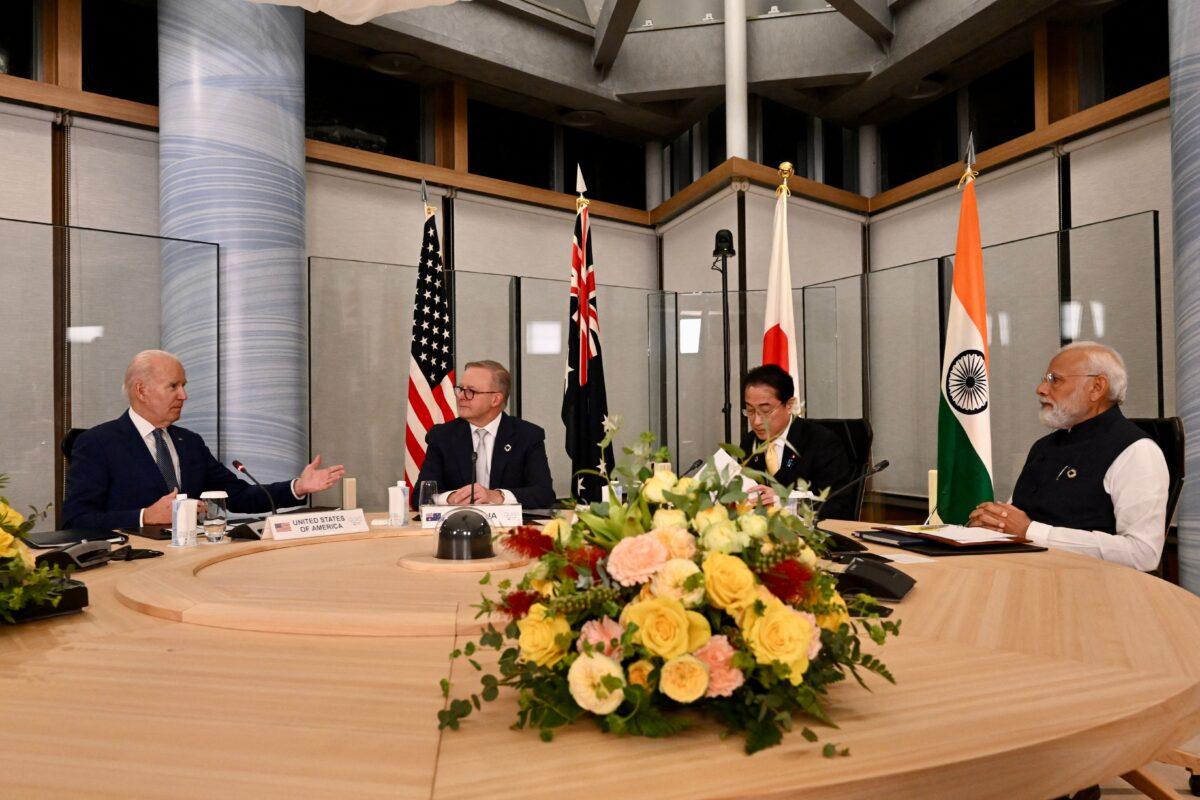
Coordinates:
x,y
611,27
872,16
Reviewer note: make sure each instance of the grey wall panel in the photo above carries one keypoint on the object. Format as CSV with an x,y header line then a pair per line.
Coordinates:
x,y
114,177
25,162
356,216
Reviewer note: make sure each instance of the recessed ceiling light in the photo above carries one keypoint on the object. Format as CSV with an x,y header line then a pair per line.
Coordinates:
x,y
394,63
919,90
581,118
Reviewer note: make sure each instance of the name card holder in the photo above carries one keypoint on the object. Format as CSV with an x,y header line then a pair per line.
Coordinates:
x,y
315,523
502,515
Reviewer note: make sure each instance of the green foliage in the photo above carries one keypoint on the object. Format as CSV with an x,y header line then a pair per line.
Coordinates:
x,y
21,585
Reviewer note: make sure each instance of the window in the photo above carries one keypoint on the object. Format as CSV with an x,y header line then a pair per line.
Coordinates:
x,y
615,171
17,29
510,146
716,138
120,49
923,141
1135,45
784,136
681,161
360,108
840,150
1001,103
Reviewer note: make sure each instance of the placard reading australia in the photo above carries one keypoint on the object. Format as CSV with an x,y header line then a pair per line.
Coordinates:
x,y
316,523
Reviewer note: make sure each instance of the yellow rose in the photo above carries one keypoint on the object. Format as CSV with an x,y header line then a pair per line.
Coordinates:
x,y
557,529
685,485
708,516
26,555
658,483
728,581
755,525
746,615
9,516
663,626
543,587
539,639
699,631
669,580
723,537
8,545
684,679
838,614
639,673
783,634
669,518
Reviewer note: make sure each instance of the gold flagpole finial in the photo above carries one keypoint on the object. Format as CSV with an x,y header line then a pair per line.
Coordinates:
x,y
969,172
580,187
429,209
785,172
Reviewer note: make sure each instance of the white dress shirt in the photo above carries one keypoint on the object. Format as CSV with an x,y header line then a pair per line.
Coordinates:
x,y
489,446
1138,482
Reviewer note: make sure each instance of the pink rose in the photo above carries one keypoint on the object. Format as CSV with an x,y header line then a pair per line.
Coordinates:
x,y
723,677
814,646
600,634
635,559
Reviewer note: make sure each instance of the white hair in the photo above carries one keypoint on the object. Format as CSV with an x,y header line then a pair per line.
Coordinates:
x,y
1103,360
141,365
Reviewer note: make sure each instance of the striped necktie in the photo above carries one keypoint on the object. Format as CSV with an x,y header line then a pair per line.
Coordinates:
x,y
162,457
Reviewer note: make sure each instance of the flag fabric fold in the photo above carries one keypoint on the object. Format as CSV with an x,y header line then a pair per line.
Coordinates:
x,y
964,417
431,361
585,404
779,328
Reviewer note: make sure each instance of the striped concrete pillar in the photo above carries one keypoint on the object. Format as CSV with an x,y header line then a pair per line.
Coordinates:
x,y
231,171
1185,156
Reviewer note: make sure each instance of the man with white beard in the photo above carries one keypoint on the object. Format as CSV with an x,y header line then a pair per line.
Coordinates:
x,y
1097,485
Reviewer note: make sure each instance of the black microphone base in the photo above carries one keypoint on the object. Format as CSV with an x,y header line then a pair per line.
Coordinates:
x,y
247,530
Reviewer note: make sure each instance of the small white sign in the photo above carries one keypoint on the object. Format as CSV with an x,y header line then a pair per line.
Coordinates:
x,y
506,515
315,523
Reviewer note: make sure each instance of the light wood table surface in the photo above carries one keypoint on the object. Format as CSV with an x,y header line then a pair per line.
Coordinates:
x,y
311,669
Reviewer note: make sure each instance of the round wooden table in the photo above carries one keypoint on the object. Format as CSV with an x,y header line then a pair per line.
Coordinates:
x,y
311,669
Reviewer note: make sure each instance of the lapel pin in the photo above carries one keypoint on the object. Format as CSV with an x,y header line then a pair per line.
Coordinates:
x,y
1071,473
508,448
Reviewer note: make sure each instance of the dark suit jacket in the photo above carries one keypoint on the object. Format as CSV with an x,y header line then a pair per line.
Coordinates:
x,y
816,455
112,477
519,461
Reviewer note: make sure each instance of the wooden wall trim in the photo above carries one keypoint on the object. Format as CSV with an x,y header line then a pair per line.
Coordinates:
x,y
1138,101
61,98
1041,75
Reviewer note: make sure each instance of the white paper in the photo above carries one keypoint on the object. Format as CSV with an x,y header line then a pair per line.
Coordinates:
x,y
955,533
728,467
907,558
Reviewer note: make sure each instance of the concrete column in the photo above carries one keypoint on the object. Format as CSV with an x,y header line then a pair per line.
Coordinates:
x,y
737,129
868,160
231,170
1185,158
654,173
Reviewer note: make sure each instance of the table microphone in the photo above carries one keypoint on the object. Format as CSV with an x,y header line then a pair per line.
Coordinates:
x,y
474,473
868,472
697,464
240,467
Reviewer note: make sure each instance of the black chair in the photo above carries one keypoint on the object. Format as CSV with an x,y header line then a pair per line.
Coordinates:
x,y
1167,433
856,437
68,443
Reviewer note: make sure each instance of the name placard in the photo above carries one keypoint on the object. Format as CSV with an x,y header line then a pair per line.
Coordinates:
x,y
315,523
505,515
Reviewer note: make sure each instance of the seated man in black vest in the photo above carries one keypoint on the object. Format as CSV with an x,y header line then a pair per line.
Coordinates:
x,y
486,456
1097,485
798,449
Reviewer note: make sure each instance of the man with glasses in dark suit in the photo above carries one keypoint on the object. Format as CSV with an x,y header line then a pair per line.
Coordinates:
x,y
486,454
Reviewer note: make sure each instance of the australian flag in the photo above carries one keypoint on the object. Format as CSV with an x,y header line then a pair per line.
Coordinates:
x,y
585,405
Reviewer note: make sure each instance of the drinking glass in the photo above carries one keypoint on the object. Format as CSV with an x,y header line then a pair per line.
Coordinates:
x,y
427,493
215,516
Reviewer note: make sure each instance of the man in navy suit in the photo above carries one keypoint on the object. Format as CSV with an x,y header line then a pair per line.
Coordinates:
x,y
485,453
125,473
798,449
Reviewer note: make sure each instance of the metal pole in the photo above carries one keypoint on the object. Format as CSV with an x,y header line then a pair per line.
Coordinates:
x,y
737,131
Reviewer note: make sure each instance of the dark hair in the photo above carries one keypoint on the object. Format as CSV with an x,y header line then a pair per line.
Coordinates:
x,y
774,377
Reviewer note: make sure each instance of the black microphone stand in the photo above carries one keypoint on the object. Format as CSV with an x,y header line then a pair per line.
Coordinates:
x,y
474,473
245,530
722,250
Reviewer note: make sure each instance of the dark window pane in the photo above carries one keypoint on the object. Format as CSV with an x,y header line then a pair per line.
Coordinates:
x,y
784,136
681,161
615,171
360,108
120,49
840,146
16,38
510,146
1001,103
924,141
716,137
1136,44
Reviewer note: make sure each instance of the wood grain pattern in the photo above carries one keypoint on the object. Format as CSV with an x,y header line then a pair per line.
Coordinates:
x,y
1028,675
87,103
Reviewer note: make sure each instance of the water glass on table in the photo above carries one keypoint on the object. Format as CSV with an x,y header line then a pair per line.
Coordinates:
x,y
215,515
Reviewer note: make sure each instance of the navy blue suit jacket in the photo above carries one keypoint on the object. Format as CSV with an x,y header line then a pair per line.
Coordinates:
x,y
519,461
112,477
816,455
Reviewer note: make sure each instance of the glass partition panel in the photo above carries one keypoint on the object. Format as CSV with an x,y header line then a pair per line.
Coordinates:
x,y
832,325
27,442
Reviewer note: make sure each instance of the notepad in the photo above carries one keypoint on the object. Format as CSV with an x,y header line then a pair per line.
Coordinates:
x,y
958,535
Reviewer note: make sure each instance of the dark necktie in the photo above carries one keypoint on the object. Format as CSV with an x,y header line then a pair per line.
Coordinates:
x,y
162,457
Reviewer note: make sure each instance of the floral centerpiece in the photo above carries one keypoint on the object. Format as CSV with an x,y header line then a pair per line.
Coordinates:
x,y
22,582
687,596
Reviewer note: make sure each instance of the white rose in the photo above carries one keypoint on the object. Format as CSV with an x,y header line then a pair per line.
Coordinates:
x,y
669,518
755,525
723,537
669,580
658,483
586,681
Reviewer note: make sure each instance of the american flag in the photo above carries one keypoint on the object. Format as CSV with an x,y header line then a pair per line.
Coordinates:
x,y
431,367
585,404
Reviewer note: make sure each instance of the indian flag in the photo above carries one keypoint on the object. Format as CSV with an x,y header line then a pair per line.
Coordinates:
x,y
964,421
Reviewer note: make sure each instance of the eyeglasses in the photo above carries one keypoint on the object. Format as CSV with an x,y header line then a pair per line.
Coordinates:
x,y
468,393
1054,380
753,413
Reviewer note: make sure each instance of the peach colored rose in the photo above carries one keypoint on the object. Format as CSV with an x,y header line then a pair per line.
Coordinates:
x,y
600,634
723,677
678,541
635,559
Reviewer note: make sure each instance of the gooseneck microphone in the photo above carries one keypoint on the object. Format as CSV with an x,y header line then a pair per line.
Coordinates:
x,y
474,473
240,467
697,464
868,472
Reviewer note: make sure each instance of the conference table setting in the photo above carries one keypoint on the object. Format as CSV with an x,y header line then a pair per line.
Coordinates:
x,y
313,667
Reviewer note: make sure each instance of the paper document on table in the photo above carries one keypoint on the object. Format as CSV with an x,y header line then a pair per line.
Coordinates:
x,y
955,534
908,558
728,467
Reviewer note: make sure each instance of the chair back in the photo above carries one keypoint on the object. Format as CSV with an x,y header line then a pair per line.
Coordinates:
x,y
68,443
1167,433
856,437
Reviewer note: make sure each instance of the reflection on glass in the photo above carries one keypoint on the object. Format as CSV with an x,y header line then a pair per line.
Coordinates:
x,y
543,338
1097,319
1071,319
689,335
84,334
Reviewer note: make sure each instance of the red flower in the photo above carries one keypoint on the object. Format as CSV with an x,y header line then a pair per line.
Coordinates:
x,y
528,542
584,558
787,580
516,604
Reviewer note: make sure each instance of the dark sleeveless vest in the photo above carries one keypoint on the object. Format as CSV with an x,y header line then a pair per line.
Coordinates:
x,y
1062,483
